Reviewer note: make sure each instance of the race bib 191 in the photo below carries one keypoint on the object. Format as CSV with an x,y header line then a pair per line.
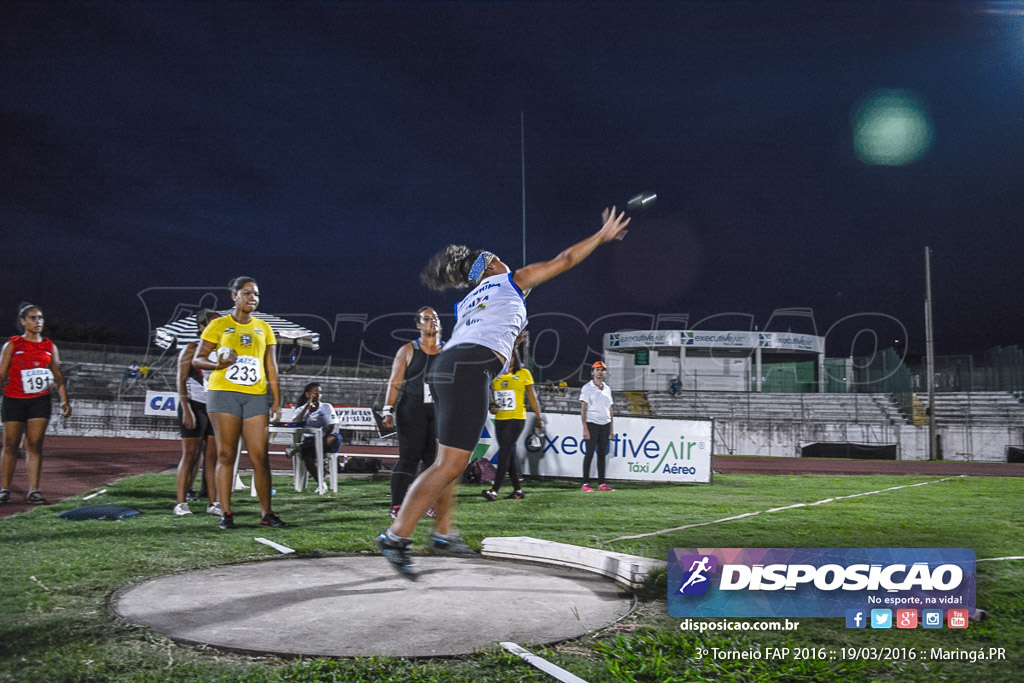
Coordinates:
x,y
245,371
506,399
36,380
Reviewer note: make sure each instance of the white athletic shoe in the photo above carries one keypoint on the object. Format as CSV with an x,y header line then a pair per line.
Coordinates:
x,y
214,509
182,509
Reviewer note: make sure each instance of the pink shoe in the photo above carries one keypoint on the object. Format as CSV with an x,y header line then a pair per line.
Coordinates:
x,y
605,487
586,487
393,514
431,512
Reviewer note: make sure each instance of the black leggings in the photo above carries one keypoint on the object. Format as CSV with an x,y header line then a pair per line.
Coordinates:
x,y
417,443
460,379
508,433
598,441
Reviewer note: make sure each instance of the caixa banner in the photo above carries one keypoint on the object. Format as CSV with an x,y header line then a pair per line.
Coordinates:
x,y
817,582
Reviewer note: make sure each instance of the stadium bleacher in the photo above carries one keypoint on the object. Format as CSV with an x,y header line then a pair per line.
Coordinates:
x,y
1000,408
876,408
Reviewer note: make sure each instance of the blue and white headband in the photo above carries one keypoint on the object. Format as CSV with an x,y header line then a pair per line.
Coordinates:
x,y
480,265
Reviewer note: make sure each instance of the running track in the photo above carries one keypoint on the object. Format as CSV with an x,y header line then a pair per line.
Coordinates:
x,y
74,465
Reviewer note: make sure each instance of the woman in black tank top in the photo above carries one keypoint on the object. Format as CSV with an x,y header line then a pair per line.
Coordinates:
x,y
410,406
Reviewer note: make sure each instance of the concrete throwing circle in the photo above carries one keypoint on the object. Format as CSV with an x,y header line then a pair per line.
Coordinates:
x,y
358,606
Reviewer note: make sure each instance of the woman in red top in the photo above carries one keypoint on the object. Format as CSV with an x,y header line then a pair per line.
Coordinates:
x,y
30,366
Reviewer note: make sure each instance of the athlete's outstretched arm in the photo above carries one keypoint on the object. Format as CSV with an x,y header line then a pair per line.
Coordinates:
x,y
614,228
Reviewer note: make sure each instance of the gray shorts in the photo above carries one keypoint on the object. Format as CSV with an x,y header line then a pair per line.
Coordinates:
x,y
238,404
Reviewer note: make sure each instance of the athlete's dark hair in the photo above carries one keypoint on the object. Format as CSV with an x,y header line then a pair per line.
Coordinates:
x,y
23,308
303,399
449,268
419,313
205,316
241,281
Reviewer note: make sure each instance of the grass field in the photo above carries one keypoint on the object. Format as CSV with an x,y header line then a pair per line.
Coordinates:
x,y
56,576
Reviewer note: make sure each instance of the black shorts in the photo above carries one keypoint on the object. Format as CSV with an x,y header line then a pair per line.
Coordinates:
x,y
203,425
460,380
25,409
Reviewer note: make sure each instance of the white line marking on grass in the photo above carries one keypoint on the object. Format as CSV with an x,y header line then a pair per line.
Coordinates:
x,y
93,495
40,584
779,509
1000,559
544,665
276,546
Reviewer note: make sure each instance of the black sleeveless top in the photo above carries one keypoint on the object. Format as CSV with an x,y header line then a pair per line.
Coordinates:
x,y
412,388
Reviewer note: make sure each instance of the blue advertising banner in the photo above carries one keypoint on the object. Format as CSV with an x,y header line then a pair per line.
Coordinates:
x,y
817,582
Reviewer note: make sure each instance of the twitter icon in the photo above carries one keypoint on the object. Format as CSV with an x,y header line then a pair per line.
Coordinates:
x,y
881,618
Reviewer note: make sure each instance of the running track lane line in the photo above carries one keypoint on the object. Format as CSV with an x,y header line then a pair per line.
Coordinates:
x,y
787,507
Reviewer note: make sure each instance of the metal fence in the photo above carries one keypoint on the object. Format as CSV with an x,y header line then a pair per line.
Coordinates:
x,y
998,369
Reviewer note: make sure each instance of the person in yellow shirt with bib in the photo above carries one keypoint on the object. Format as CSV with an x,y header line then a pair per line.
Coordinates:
x,y
510,392
240,349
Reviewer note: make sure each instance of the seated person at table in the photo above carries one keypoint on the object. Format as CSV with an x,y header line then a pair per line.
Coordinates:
x,y
312,412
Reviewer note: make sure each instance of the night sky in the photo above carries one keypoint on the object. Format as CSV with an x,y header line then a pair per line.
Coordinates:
x,y
328,149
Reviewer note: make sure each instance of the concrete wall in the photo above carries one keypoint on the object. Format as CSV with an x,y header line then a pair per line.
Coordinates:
x,y
784,439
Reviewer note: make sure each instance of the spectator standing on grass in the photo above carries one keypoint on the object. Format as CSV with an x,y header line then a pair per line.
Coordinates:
x,y
194,425
243,386
409,406
510,392
29,368
596,411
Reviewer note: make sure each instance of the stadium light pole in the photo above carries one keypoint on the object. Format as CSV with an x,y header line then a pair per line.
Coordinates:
x,y
929,341
528,358
522,173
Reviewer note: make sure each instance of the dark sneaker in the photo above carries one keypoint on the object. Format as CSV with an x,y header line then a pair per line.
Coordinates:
x,y
431,512
227,522
35,497
490,494
393,514
190,496
516,495
270,519
397,553
5,496
452,544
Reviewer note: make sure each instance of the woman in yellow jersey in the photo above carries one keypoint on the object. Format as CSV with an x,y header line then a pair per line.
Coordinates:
x,y
510,392
244,368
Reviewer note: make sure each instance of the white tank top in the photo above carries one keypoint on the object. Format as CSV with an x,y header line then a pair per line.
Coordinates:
x,y
492,315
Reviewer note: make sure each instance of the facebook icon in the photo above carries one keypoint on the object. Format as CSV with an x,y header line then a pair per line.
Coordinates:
x,y
855,618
